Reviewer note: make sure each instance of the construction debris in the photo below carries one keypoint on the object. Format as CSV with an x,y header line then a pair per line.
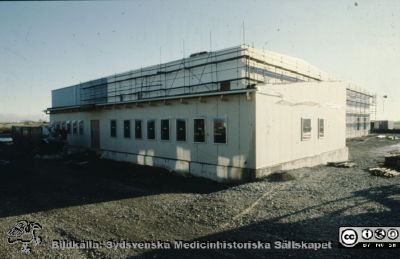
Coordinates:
x,y
391,166
385,172
345,164
393,160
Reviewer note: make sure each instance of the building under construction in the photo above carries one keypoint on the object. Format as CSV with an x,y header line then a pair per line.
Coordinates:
x,y
229,115
360,107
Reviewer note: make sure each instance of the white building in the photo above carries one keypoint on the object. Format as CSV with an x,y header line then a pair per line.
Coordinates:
x,y
229,115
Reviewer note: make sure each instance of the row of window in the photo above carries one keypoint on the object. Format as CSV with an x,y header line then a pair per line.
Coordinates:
x,y
77,127
306,128
199,129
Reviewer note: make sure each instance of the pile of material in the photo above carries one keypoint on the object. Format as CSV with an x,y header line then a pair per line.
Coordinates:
x,y
345,164
391,166
393,160
385,172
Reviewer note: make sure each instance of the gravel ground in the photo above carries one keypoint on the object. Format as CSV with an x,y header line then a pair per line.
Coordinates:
x,y
105,200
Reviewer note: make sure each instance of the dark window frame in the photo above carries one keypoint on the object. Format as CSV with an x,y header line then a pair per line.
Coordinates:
x,y
69,128
321,134
75,127
165,136
177,135
113,128
153,134
224,139
127,129
306,135
140,124
196,132
81,127
225,86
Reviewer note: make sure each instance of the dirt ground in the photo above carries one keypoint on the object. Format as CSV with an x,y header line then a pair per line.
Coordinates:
x,y
104,200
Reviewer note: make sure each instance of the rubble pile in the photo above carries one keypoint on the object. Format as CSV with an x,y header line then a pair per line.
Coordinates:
x,y
385,172
345,164
391,166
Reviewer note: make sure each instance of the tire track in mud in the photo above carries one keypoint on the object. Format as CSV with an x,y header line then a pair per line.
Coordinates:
x,y
249,209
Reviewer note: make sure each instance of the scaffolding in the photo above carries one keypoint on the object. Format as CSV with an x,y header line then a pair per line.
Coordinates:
x,y
360,107
204,72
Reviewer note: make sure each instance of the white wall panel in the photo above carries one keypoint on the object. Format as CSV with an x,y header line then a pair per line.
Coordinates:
x,y
279,109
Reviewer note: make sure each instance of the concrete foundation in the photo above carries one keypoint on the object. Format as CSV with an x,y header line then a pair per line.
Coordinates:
x,y
225,173
338,155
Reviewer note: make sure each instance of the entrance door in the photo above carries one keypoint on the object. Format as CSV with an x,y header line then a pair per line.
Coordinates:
x,y
95,134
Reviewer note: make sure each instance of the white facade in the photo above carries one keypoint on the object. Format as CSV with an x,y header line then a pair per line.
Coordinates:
x,y
204,158
279,113
267,111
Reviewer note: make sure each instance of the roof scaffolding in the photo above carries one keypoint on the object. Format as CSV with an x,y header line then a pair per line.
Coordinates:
x,y
235,68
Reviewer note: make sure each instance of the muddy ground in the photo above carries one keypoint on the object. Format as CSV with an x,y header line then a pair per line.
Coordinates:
x,y
104,200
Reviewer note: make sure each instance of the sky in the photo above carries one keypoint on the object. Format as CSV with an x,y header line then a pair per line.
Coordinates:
x,y
49,45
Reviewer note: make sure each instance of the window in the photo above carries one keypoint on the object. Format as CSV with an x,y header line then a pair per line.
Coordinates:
x,y
219,131
75,127
80,127
164,129
321,128
25,132
358,124
138,129
365,123
305,129
151,129
127,128
225,86
68,127
113,128
199,130
180,130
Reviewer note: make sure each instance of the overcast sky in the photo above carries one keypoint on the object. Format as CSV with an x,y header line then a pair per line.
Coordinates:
x,y
48,45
